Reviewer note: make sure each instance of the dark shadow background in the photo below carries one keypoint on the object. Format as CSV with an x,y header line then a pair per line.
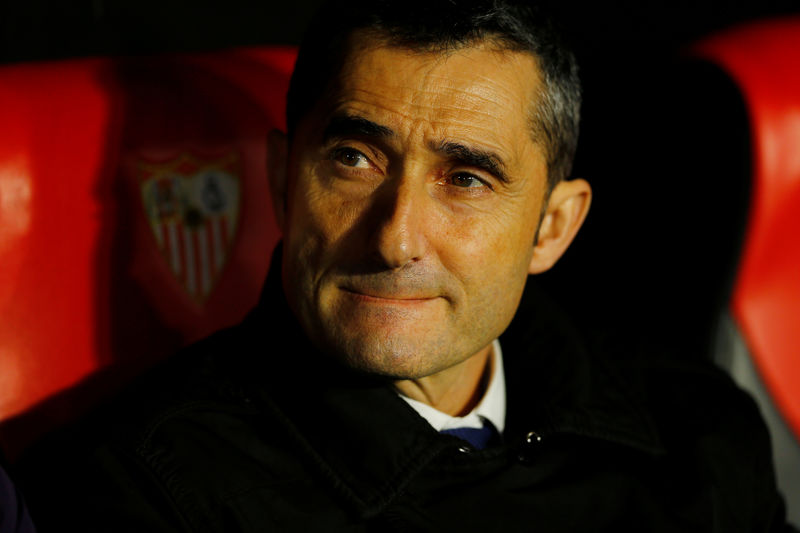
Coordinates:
x,y
48,29
663,142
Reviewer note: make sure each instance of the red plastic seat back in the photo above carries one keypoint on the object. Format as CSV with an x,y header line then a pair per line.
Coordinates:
x,y
759,340
764,61
134,216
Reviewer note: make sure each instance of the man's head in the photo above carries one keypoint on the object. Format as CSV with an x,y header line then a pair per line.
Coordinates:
x,y
416,183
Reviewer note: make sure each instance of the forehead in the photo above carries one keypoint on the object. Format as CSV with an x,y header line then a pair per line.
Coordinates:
x,y
477,94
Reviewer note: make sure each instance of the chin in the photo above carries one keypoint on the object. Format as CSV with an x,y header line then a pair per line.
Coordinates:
x,y
396,358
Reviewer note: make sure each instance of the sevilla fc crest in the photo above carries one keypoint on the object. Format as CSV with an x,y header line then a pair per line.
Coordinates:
x,y
192,205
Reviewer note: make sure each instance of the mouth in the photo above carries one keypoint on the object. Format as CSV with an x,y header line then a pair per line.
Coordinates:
x,y
389,298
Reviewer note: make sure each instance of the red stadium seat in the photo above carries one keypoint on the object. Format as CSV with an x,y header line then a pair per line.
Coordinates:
x,y
762,341
134,217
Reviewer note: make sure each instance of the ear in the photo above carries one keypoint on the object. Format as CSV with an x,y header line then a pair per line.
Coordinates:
x,y
277,153
566,210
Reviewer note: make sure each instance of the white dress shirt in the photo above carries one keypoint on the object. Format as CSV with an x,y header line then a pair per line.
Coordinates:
x,y
492,406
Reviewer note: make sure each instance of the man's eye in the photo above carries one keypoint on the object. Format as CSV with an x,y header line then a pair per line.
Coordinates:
x,y
467,181
350,157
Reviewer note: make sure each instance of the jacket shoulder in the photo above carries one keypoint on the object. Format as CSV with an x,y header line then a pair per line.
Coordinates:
x,y
709,427
116,456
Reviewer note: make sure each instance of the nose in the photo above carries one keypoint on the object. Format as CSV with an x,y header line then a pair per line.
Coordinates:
x,y
399,236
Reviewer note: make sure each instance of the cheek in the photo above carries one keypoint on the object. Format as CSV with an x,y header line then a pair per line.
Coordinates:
x,y
489,244
491,265
490,255
319,220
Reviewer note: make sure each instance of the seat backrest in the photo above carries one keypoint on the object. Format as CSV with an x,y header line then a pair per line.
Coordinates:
x,y
134,217
761,342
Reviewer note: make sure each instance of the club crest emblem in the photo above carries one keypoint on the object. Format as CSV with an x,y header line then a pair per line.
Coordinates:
x,y
192,206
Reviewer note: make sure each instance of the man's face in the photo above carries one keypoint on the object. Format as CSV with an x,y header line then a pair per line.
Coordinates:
x,y
414,194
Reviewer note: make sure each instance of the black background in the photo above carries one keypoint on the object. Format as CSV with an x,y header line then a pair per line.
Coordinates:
x,y
45,29
664,145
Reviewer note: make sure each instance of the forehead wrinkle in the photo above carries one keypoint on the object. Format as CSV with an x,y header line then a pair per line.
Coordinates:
x,y
435,105
481,91
447,111
441,92
438,92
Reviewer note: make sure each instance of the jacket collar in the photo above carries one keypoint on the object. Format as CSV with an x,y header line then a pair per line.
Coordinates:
x,y
369,444
568,388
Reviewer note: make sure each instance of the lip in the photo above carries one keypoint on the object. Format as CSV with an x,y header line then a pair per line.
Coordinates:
x,y
393,299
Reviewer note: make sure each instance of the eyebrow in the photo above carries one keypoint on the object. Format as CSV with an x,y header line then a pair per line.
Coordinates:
x,y
347,125
351,125
475,157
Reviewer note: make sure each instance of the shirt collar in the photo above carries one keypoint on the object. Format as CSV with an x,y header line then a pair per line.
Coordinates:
x,y
492,406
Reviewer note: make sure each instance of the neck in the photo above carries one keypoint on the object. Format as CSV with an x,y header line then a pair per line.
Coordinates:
x,y
455,390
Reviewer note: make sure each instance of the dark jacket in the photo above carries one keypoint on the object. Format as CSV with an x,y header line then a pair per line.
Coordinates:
x,y
14,517
254,430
